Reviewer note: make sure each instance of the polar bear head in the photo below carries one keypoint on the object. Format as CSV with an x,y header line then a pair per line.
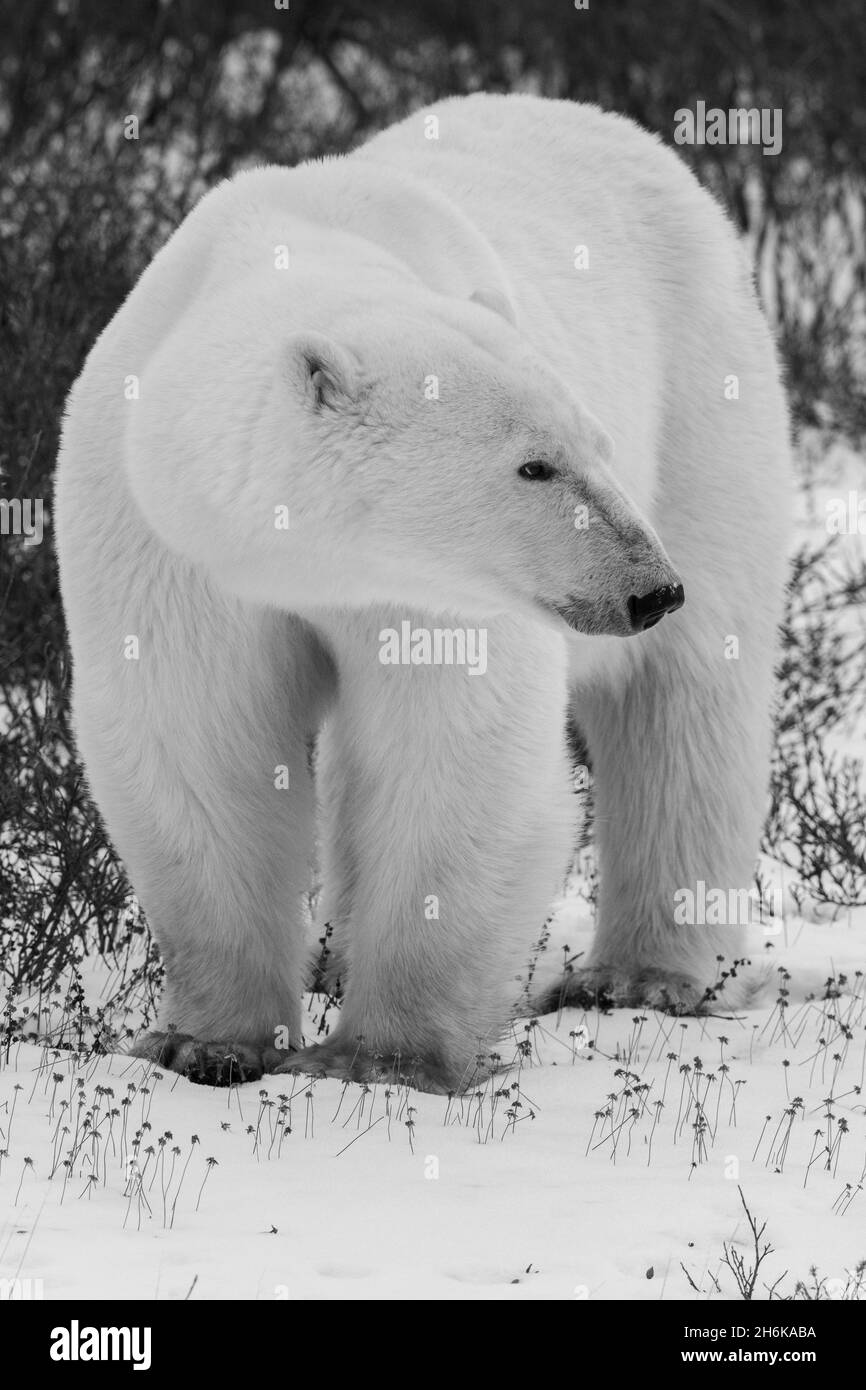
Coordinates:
x,y
424,452
467,474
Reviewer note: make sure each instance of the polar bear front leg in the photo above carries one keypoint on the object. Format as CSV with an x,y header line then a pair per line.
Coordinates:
x,y
197,752
456,826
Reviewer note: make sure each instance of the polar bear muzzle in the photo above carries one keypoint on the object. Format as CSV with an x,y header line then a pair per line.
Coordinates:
x,y
621,617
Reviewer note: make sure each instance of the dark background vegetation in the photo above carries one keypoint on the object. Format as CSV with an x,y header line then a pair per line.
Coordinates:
x,y
216,86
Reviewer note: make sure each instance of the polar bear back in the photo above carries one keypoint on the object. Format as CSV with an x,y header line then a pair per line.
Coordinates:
x,y
624,272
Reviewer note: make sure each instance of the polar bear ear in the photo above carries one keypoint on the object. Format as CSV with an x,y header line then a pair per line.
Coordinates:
x,y
497,302
322,371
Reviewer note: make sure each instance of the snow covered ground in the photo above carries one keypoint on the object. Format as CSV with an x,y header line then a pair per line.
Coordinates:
x,y
594,1167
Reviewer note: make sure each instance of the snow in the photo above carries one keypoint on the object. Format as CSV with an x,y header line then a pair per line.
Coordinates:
x,y
376,1195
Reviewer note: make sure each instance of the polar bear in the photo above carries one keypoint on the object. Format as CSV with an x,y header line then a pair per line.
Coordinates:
x,y
501,371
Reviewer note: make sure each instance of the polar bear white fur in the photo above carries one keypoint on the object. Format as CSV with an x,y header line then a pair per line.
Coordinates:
x,y
373,347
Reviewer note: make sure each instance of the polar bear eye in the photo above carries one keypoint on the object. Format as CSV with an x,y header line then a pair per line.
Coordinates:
x,y
536,471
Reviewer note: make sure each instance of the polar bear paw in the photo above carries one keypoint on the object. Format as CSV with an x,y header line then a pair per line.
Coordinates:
x,y
614,987
208,1063
347,1061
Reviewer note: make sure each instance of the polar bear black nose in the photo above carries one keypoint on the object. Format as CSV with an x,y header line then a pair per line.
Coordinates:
x,y
650,609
